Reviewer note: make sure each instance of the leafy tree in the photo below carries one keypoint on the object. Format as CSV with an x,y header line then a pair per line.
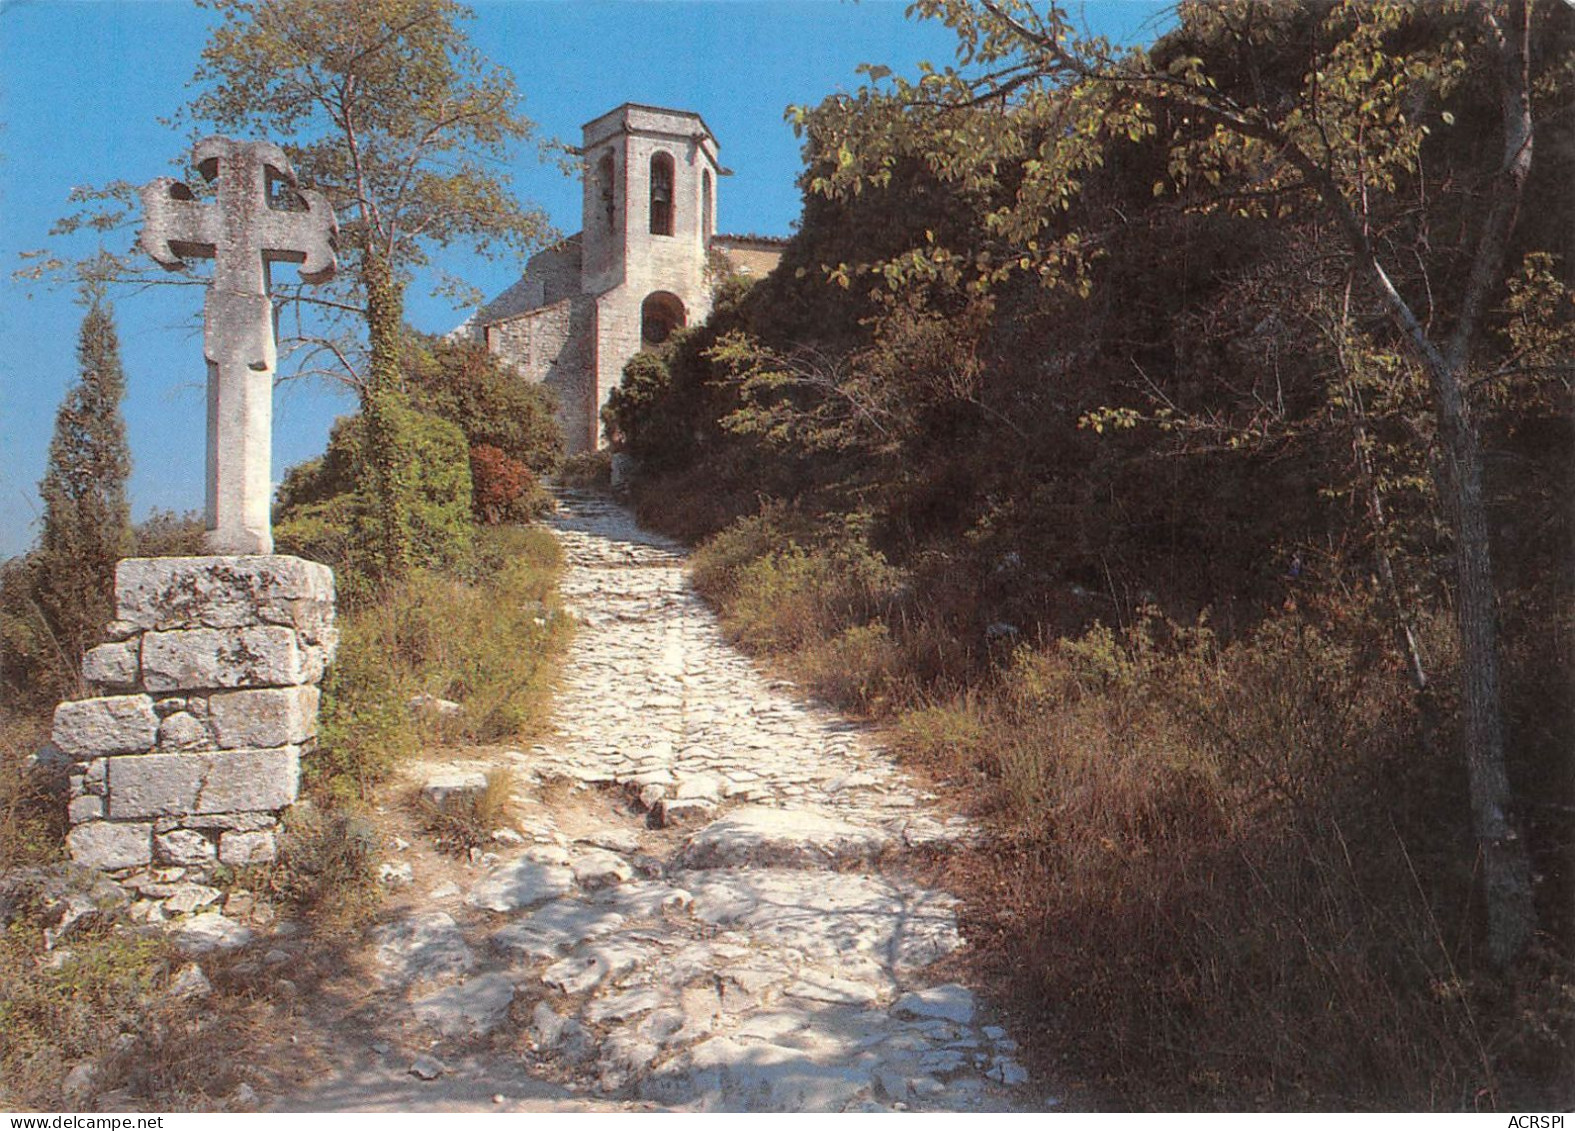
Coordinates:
x,y
87,526
165,534
1258,109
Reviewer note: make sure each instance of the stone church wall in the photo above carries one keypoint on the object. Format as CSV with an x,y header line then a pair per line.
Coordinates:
x,y
551,347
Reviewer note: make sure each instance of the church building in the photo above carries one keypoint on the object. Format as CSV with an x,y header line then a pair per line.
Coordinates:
x,y
641,266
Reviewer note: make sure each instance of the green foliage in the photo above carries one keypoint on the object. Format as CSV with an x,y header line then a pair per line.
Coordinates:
x,y
34,670
364,726
387,460
587,469
440,510
386,107
639,411
797,594
717,566
326,514
510,424
465,383
86,527
666,408
165,534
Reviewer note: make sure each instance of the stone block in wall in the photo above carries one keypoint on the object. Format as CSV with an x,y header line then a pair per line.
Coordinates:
x,y
224,654
181,730
161,594
87,807
217,823
108,845
185,847
161,785
254,656
110,724
241,848
112,666
267,716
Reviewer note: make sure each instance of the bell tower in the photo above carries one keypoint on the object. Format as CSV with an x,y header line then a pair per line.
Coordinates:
x,y
650,194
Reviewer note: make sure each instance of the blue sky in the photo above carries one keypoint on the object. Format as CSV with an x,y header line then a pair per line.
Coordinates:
x,y
83,84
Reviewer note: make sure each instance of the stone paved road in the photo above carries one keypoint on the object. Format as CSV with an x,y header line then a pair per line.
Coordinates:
x,y
693,912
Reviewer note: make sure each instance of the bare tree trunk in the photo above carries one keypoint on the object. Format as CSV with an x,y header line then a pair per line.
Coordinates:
x,y
1506,866
1506,863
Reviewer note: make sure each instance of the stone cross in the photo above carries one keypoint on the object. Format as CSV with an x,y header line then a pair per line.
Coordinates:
x,y
243,232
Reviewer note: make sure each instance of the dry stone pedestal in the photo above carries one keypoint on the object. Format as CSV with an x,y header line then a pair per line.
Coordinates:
x,y
208,691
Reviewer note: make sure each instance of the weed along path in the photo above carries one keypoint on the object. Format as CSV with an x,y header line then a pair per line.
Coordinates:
x,y
698,902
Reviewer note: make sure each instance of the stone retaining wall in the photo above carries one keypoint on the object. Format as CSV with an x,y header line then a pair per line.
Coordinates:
x,y
207,699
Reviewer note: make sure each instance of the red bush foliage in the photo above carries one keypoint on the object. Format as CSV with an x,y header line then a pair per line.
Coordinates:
x,y
497,482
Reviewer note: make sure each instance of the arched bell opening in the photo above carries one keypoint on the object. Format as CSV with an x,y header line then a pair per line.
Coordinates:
x,y
660,314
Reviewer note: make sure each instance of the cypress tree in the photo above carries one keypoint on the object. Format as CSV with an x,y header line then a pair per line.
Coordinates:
x,y
87,526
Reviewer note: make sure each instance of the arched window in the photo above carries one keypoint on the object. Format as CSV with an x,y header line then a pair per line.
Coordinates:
x,y
661,195
660,314
606,192
707,206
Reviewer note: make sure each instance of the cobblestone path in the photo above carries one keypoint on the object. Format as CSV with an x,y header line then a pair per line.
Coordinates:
x,y
698,908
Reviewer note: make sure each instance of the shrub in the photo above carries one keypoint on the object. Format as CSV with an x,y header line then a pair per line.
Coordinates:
x,y
165,534
504,488
323,514
86,521
364,728
785,584
52,1018
492,645
860,668
718,563
34,668
488,638
327,864
32,807
643,415
465,383
592,470
1209,871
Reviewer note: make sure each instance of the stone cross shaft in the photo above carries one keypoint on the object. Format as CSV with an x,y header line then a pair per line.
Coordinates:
x,y
243,232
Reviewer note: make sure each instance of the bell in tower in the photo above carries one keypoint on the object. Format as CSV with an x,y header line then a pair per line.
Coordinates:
x,y
661,195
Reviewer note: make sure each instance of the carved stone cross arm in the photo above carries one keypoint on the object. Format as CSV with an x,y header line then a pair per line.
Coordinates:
x,y
243,232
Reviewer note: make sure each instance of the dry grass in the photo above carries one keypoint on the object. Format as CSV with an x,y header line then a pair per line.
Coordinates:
x,y
32,809
466,820
490,642
105,997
